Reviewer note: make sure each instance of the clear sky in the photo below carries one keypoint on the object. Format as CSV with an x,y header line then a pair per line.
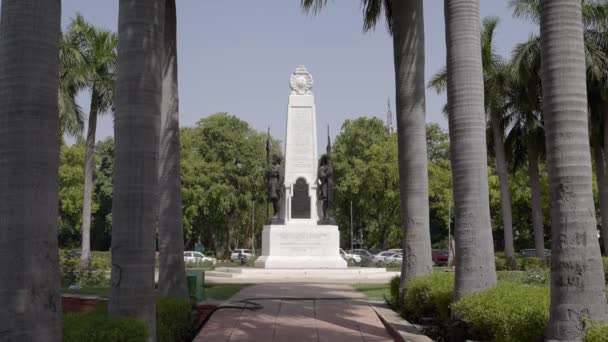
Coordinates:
x,y
237,55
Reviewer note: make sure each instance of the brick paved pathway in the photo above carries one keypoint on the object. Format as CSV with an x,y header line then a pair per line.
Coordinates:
x,y
338,314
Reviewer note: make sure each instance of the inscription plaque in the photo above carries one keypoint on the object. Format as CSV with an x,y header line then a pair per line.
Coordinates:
x,y
300,202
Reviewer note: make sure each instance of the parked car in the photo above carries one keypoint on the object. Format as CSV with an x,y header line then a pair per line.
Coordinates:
x,y
531,252
196,257
379,258
246,254
394,258
347,256
396,250
365,255
440,256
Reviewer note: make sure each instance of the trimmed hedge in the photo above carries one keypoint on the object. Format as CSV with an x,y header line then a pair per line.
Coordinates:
x,y
597,332
173,320
509,312
532,263
97,326
173,324
429,297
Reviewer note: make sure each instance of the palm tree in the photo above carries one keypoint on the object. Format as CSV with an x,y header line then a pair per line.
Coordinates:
x,y
172,277
595,23
406,23
475,268
30,293
577,277
98,50
495,76
72,78
526,136
138,96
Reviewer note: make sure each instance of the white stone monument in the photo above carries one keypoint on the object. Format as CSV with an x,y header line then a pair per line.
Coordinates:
x,y
300,243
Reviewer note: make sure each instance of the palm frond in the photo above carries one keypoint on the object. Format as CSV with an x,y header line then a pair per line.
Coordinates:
x,y
439,81
529,9
313,6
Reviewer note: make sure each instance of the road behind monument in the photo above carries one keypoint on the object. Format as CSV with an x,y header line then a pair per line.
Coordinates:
x,y
296,312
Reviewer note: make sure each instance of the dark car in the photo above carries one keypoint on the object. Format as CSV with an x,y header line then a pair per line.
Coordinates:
x,y
440,256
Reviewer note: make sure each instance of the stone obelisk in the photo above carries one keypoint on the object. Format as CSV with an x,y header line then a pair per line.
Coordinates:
x,y
300,242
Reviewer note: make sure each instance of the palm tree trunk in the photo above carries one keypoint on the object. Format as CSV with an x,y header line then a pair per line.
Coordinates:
x,y
505,193
475,269
89,169
136,131
577,275
408,48
602,184
172,277
30,293
537,211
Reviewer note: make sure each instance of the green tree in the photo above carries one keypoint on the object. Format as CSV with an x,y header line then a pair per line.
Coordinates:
x,y
71,165
223,161
172,273
98,63
406,23
366,174
101,226
577,278
30,294
136,133
440,183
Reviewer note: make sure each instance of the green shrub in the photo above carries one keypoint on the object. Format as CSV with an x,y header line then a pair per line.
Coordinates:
x,y
597,332
510,276
501,264
536,276
509,312
429,296
532,262
208,265
71,274
392,300
97,326
173,320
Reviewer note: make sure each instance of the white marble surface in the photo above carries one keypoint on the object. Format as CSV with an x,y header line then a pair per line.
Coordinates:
x,y
300,246
301,141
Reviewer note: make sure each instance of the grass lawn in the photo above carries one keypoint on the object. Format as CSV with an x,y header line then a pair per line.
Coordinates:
x,y
212,291
373,291
222,291
96,291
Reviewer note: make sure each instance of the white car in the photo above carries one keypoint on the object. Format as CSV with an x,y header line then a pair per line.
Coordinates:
x,y
379,258
196,257
246,253
395,258
348,256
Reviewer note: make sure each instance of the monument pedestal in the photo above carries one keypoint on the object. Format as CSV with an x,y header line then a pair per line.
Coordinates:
x,y
300,246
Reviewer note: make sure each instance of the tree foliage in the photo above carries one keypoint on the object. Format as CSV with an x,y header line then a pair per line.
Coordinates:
x,y
223,161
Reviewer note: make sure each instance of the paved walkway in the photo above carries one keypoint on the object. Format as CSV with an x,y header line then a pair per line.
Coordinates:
x,y
337,313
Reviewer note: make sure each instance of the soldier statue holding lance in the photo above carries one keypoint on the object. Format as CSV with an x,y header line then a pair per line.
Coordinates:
x,y
325,182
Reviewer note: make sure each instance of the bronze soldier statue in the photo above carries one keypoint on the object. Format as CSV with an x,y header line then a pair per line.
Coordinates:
x,y
324,190
275,178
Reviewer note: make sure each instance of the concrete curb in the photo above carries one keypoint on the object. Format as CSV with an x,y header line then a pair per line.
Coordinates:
x,y
400,329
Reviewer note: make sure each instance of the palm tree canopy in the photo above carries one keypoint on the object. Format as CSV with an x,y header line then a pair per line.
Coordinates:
x,y
72,78
99,50
372,11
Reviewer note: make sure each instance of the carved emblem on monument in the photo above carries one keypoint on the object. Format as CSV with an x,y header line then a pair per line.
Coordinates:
x,y
300,202
301,82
